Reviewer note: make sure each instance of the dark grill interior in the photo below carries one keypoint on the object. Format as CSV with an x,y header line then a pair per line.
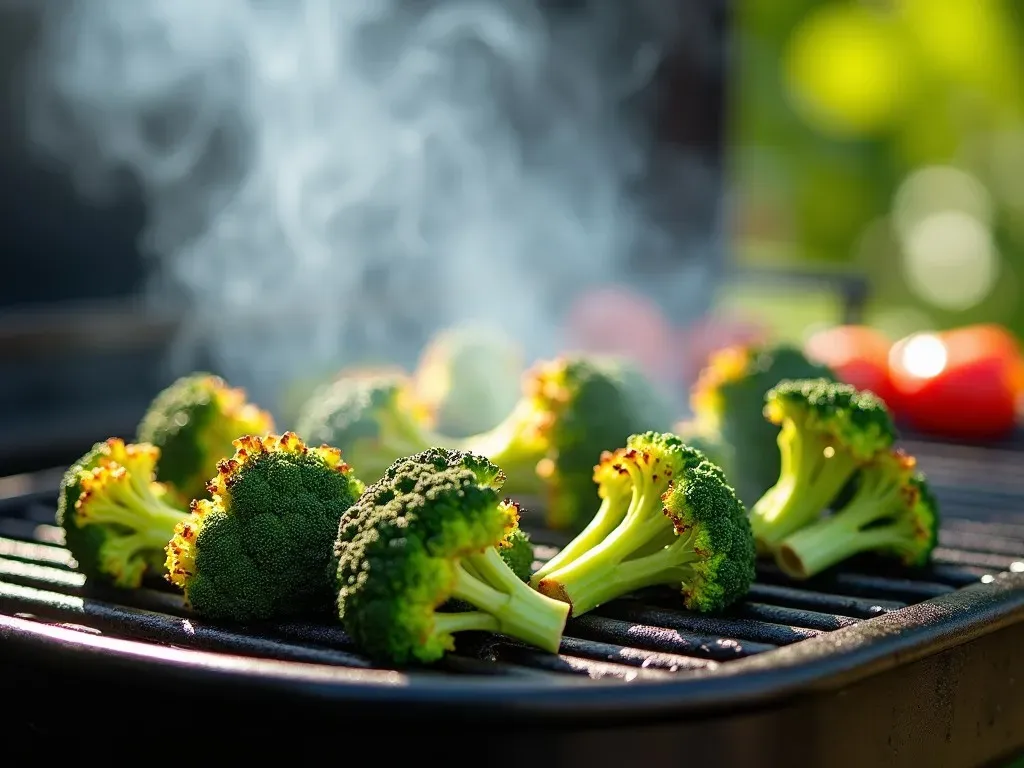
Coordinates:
x,y
639,638
893,667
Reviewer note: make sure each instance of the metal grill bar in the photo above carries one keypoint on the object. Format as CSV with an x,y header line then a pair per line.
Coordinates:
x,y
646,636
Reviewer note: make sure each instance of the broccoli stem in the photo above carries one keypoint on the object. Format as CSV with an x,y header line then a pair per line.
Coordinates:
x,y
812,475
124,557
835,538
595,579
464,621
136,509
599,572
519,611
810,551
611,512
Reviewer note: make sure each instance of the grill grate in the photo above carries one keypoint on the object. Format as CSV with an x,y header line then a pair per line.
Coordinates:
x,y
644,637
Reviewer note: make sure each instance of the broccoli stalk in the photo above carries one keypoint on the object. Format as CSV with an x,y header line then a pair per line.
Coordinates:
x,y
115,515
892,511
615,490
421,544
505,604
828,431
682,526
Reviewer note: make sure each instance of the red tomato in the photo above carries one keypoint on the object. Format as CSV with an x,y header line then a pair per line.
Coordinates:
x,y
965,383
858,354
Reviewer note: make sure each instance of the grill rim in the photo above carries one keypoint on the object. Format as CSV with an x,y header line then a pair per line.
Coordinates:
x,y
824,663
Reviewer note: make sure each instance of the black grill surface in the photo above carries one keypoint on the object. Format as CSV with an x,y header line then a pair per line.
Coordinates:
x,y
871,664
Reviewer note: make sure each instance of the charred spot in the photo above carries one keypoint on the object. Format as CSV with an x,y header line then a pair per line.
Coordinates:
x,y
654,478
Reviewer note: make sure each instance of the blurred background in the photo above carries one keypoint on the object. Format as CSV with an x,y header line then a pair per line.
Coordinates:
x,y
888,138
276,191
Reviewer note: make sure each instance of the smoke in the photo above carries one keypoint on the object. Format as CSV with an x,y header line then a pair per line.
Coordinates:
x,y
329,181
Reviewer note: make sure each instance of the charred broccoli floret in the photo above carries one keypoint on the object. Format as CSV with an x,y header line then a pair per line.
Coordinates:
x,y
262,547
892,512
373,419
571,410
680,525
468,379
193,422
727,400
828,431
116,517
425,535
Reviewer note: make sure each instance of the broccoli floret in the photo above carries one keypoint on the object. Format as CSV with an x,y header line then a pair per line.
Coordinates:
x,y
573,407
892,512
517,552
727,400
425,535
468,379
828,431
193,422
681,525
373,419
262,547
116,517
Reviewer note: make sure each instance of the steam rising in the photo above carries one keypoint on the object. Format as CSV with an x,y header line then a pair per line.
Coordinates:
x,y
326,179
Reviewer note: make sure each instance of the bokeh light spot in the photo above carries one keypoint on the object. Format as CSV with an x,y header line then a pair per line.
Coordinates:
x,y
846,70
923,356
950,261
938,189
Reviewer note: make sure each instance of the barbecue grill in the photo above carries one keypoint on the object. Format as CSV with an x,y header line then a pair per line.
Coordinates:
x,y
867,665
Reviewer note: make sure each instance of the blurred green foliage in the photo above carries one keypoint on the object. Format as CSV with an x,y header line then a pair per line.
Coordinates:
x,y
887,136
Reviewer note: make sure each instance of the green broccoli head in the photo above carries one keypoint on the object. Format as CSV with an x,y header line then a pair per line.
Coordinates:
x,y
468,379
193,422
373,419
713,530
828,431
116,517
681,524
727,401
427,535
571,410
891,512
262,547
